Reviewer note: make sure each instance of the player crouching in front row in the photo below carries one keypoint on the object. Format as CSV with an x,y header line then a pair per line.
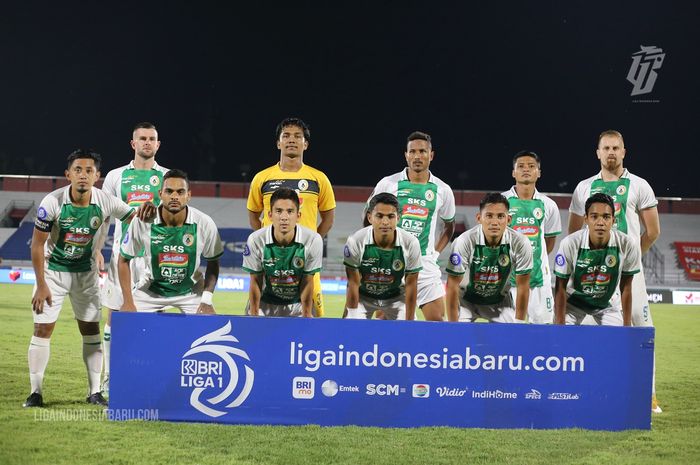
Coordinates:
x,y
382,265
282,260
172,247
589,265
489,254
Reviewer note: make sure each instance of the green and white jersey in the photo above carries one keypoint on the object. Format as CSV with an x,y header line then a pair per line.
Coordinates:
x,y
488,269
72,229
535,218
283,266
594,274
382,270
134,187
630,193
420,206
172,254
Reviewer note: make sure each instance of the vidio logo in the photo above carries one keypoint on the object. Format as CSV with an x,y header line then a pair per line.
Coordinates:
x,y
210,365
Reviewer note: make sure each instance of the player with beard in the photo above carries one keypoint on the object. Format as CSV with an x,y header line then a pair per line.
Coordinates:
x,y
172,247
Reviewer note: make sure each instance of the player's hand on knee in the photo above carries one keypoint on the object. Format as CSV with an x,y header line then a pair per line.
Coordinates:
x,y
42,294
205,309
146,212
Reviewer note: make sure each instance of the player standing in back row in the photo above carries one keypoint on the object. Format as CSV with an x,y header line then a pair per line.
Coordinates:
x,y
635,205
314,188
136,183
536,216
423,198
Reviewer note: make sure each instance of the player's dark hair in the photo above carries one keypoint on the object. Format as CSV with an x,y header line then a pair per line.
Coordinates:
x,y
284,193
179,174
144,125
385,198
293,122
599,197
495,198
526,153
82,154
418,135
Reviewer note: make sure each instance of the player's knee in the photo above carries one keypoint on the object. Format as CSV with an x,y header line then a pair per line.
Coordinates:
x,y
43,330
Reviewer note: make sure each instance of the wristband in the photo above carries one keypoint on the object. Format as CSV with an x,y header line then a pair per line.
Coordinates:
x,y
206,297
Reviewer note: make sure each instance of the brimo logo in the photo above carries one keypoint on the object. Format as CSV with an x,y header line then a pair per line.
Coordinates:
x,y
642,73
204,367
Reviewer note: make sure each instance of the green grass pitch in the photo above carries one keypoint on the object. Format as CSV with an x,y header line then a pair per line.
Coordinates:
x,y
27,438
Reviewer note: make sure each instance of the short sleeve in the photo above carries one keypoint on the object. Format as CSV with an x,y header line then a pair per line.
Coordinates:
x,y
252,255
352,252
255,198
48,212
414,262
552,219
133,239
578,199
631,263
448,209
314,255
647,199
459,257
564,260
116,208
522,251
109,186
213,248
326,197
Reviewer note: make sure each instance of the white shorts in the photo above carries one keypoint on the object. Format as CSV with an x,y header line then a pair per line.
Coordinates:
x,y
277,310
393,309
641,316
112,291
540,307
147,301
430,286
83,289
611,316
503,312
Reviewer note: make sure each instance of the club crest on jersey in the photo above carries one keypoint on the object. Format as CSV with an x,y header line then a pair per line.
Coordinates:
x,y
246,250
429,195
346,251
621,190
95,222
503,260
397,265
41,213
610,260
298,262
537,212
559,259
455,259
303,185
188,239
154,181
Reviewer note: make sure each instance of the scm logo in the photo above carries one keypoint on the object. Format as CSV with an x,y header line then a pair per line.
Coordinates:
x,y
382,390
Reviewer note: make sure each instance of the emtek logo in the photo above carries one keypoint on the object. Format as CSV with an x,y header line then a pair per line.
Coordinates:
x,y
303,387
383,390
421,390
200,375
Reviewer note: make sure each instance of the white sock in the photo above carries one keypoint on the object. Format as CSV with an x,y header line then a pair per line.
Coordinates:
x,y
38,356
106,346
92,356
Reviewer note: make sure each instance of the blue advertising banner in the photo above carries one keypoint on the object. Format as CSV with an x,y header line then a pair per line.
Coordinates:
x,y
293,371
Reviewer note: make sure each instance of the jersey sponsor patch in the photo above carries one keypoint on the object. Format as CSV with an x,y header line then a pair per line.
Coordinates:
x,y
125,240
246,250
136,198
415,211
346,251
527,230
455,259
559,259
41,213
77,238
173,259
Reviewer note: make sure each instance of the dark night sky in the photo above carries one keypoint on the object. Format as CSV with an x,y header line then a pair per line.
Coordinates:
x,y
485,81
